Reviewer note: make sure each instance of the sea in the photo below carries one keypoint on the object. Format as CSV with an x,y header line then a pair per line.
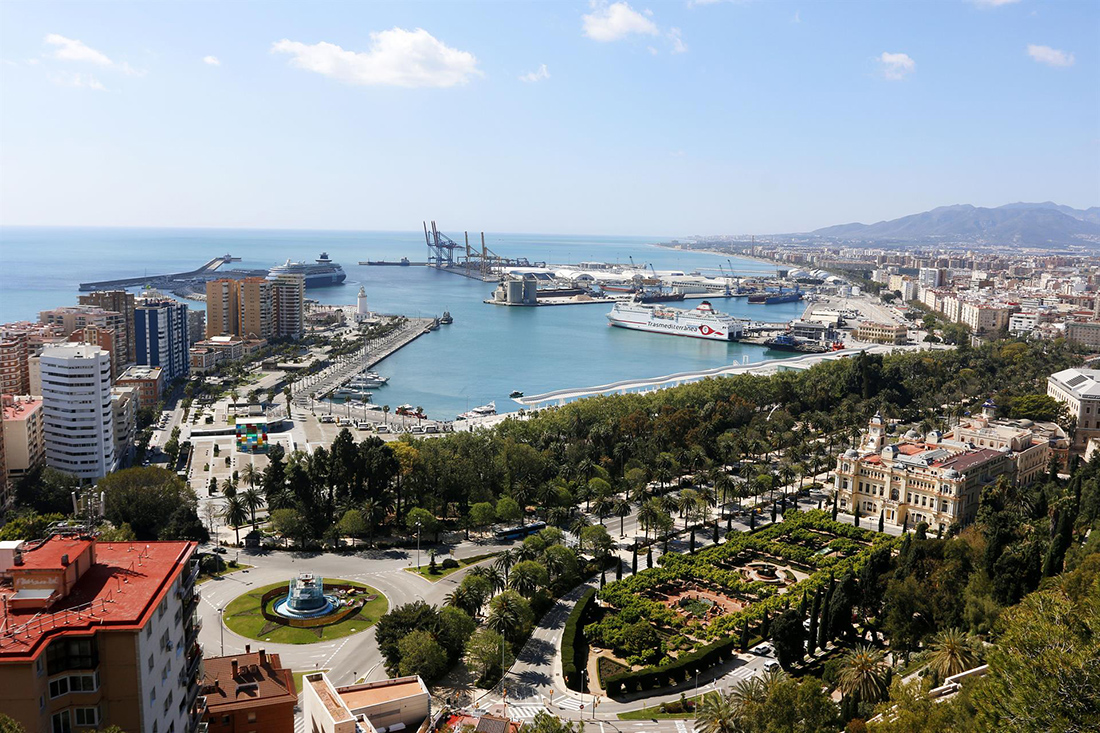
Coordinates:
x,y
487,352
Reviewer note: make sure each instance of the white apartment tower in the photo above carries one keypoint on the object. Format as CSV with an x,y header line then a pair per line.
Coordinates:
x,y
76,403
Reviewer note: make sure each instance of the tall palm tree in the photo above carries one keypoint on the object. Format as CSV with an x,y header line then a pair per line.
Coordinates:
x,y
621,509
648,514
505,561
253,499
524,582
250,475
952,653
462,597
234,513
504,616
603,507
497,580
863,674
229,489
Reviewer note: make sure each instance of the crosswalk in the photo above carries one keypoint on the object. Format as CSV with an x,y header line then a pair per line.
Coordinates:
x,y
525,712
299,722
568,703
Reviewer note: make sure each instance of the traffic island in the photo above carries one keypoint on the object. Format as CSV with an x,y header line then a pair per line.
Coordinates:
x,y
349,608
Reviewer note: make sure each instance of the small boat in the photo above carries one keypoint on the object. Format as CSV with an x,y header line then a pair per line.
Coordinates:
x,y
446,319
483,411
515,393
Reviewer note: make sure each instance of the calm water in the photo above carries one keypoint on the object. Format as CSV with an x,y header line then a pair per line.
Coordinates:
x,y
489,350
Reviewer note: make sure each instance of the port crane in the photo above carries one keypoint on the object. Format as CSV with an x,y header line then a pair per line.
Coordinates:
x,y
441,248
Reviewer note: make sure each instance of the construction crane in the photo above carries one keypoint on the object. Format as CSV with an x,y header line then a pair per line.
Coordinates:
x,y
441,248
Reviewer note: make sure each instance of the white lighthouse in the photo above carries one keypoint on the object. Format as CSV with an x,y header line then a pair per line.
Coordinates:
x,y
361,312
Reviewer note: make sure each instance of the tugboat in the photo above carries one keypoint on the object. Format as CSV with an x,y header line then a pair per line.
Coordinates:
x,y
446,319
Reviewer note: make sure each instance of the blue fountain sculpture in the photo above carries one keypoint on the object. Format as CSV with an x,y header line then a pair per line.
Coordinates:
x,y
305,599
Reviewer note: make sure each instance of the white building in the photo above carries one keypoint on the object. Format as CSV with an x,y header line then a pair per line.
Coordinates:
x,y
289,290
399,704
76,403
1079,391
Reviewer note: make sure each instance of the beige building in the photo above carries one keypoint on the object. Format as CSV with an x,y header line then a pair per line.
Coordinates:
x,y
223,310
882,333
124,409
984,318
402,703
15,375
24,440
1086,333
122,302
917,479
257,308
1032,444
290,295
146,380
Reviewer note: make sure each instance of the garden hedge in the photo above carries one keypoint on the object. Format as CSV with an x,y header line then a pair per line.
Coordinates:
x,y
571,650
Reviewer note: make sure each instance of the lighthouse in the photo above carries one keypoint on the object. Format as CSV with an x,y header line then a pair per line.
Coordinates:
x,y
361,312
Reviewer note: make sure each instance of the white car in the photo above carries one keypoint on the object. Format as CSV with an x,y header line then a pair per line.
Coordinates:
x,y
762,650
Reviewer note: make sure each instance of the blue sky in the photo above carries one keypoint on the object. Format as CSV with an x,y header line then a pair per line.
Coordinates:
x,y
656,118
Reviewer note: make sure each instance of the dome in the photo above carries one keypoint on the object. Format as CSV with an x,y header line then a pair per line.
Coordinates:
x,y
951,473
890,452
934,436
913,434
851,453
1025,423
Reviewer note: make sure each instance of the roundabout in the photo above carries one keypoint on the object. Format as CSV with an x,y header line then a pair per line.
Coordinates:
x,y
305,610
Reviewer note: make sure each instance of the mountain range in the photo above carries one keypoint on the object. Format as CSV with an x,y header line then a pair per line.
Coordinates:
x,y
1023,224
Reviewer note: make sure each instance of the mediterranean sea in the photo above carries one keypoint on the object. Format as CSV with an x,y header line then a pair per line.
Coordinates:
x,y
488,351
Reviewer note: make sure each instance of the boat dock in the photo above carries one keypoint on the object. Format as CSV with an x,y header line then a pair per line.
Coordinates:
x,y
130,282
317,386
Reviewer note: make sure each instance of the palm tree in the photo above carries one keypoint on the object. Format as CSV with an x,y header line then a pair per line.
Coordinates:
x,y
524,581
951,653
621,509
863,674
603,507
250,475
504,615
229,489
719,713
648,514
253,499
462,597
234,513
386,414
497,580
505,561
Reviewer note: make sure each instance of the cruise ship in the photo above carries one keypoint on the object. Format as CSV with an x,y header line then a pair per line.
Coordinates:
x,y
322,274
703,322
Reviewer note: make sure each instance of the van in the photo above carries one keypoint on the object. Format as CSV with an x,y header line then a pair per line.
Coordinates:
x,y
416,430
345,422
363,425
328,419
431,429
383,428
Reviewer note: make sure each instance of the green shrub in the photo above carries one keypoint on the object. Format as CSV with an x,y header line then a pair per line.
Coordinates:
x,y
571,650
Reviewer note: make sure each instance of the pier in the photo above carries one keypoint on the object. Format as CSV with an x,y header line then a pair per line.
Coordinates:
x,y
317,386
562,396
130,282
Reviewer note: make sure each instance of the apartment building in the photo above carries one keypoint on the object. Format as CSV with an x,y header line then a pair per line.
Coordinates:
x,y
15,375
196,325
882,333
289,291
248,692
103,328
124,410
95,633
223,310
1086,333
1079,391
984,318
106,339
402,703
76,404
916,479
161,336
24,441
147,381
119,301
257,308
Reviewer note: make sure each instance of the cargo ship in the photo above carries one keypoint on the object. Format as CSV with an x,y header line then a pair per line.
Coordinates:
x,y
786,342
323,273
702,322
775,298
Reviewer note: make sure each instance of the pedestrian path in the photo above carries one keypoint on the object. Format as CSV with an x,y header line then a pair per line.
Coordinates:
x,y
525,712
568,703
299,722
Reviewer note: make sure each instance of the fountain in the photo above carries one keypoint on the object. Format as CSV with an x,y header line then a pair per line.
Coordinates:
x,y
305,598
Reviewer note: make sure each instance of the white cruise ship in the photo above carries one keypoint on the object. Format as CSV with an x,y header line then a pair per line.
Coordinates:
x,y
323,273
702,322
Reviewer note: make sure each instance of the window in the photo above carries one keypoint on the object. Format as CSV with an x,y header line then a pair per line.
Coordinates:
x,y
87,716
61,722
59,687
252,717
150,661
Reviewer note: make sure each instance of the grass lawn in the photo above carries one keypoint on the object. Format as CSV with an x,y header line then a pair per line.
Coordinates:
x,y
654,713
203,577
424,570
243,616
298,677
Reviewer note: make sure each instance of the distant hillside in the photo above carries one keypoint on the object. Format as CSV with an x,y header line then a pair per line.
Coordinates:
x,y
1025,224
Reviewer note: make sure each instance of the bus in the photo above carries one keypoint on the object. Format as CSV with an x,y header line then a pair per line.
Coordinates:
x,y
518,533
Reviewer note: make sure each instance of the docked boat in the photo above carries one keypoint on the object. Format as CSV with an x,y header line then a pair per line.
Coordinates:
x,y
322,273
483,411
446,319
786,342
369,380
515,394
701,322
788,296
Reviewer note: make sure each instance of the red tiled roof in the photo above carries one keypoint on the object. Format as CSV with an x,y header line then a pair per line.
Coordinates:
x,y
965,461
119,592
270,684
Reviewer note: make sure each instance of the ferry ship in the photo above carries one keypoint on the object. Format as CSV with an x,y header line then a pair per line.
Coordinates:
x,y
789,296
320,275
702,322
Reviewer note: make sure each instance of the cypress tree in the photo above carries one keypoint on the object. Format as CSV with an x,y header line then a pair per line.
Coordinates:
x,y
603,578
811,641
855,514
765,625
752,520
634,560
802,605
905,526
649,557
835,505
691,548
773,512
619,570
745,635
881,520
716,531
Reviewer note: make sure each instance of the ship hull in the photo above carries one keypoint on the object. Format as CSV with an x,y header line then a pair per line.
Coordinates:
x,y
712,335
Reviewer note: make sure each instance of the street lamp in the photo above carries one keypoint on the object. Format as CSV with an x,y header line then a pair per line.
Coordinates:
x,y
221,629
418,544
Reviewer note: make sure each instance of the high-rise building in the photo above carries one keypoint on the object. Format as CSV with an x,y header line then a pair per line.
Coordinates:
x,y
124,409
15,375
95,634
196,325
122,302
290,294
223,310
257,308
90,324
5,489
160,326
106,339
24,446
76,403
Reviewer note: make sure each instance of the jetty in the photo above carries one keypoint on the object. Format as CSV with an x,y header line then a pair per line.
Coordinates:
x,y
130,282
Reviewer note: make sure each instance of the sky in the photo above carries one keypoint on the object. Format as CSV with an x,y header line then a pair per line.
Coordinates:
x,y
648,118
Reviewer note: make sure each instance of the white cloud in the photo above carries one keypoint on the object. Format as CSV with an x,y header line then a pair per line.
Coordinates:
x,y
211,60
76,79
69,49
652,50
1050,56
616,21
678,45
994,3
396,57
797,17
538,75
896,66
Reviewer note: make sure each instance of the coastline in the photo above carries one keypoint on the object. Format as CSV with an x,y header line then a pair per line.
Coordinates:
x,y
718,253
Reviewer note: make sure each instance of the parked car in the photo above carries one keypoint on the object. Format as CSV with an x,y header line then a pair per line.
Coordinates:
x,y
762,650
